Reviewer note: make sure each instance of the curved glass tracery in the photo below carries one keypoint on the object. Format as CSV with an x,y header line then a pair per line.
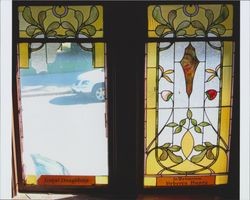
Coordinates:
x,y
190,20
60,21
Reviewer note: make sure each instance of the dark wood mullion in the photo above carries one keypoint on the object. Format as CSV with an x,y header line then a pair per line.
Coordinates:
x,y
126,46
57,3
187,39
234,182
60,40
189,2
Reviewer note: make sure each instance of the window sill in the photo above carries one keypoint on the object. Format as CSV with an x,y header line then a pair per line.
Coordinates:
x,y
45,196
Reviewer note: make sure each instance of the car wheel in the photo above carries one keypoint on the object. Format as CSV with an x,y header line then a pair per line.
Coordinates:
x,y
99,92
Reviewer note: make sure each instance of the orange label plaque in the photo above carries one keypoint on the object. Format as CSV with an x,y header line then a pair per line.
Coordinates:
x,y
66,180
185,180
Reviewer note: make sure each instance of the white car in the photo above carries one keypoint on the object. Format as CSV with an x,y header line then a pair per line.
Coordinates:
x,y
91,82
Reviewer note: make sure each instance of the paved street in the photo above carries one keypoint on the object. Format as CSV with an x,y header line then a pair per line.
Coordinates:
x,y
66,128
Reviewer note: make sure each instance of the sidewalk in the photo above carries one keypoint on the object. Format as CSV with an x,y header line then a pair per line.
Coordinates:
x,y
33,91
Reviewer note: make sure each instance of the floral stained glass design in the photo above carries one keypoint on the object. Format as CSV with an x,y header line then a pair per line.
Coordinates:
x,y
190,21
188,105
60,21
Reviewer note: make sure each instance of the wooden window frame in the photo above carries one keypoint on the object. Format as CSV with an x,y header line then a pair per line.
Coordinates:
x,y
125,70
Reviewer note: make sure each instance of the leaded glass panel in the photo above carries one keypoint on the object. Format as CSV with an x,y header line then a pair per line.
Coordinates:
x,y
188,95
60,21
190,20
188,113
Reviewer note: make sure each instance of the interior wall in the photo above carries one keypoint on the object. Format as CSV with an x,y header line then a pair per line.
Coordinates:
x,y
5,98
244,98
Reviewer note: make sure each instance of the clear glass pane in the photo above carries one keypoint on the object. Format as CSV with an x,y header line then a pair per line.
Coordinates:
x,y
188,113
63,115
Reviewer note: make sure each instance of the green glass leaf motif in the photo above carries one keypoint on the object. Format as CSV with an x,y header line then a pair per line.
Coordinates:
x,y
181,33
27,15
31,30
209,15
200,32
217,67
208,144
174,148
178,129
169,71
199,157
183,25
210,154
203,124
175,158
93,15
182,122
53,26
211,71
166,145
164,155
161,68
79,17
157,15
51,33
210,78
197,129
167,78
70,33
90,29
160,29
194,122
68,26
199,147
37,33
172,124
41,17
220,28
189,114
171,16
197,24
223,15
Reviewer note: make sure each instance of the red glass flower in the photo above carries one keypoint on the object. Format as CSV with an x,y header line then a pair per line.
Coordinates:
x,y
211,94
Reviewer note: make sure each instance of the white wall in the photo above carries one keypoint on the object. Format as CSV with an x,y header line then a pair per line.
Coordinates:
x,y
244,99
5,99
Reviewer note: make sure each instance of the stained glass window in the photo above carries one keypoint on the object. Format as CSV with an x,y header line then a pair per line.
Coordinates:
x,y
190,21
60,21
188,100
62,96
